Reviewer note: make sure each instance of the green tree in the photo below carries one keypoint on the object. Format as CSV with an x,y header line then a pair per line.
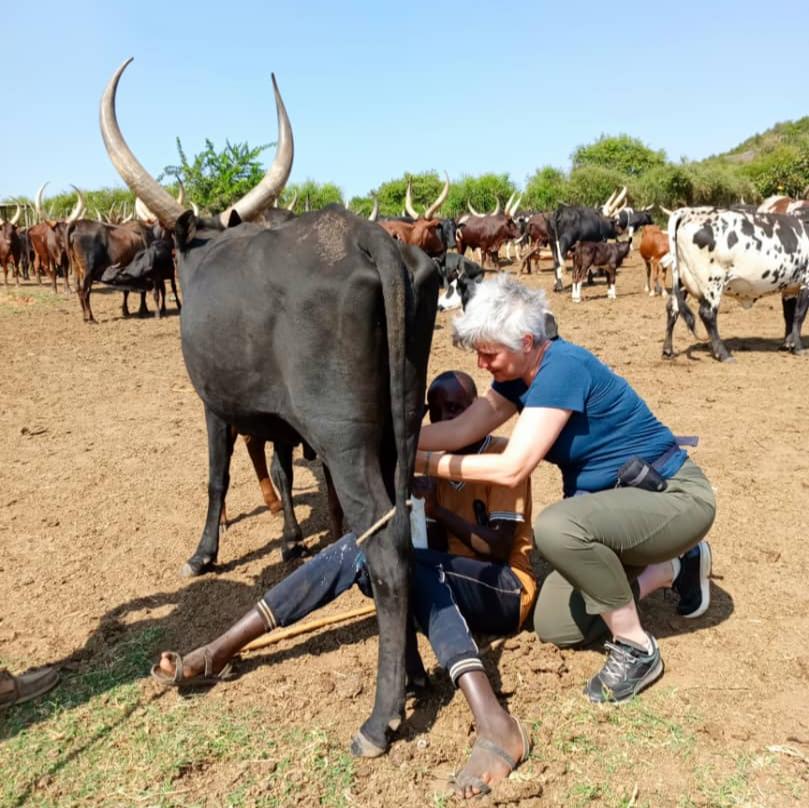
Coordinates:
x,y
215,179
483,192
782,170
424,191
622,153
546,189
593,184
316,194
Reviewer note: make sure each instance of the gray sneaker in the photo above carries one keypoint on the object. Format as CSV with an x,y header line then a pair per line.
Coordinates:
x,y
628,670
692,584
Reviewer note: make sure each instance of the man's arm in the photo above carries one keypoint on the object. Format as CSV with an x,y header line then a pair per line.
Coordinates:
x,y
492,540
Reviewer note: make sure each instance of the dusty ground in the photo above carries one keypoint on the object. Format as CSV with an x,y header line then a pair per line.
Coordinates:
x,y
103,494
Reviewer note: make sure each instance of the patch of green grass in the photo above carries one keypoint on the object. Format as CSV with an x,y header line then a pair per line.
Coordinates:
x,y
101,737
17,300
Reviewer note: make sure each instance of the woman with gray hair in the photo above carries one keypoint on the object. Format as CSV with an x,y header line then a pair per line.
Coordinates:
x,y
646,503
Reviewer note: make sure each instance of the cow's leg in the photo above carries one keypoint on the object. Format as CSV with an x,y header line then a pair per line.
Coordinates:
x,y
795,309
83,291
174,292
335,508
281,474
220,448
577,276
611,271
562,247
649,273
672,314
143,309
125,304
708,314
255,448
160,292
590,281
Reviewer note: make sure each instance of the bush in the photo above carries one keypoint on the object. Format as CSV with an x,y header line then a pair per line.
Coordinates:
x,y
593,185
318,195
482,191
621,153
546,189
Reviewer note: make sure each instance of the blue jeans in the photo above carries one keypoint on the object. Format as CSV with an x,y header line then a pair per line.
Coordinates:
x,y
451,596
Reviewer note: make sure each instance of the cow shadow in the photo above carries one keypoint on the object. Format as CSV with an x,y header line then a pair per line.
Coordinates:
x,y
702,349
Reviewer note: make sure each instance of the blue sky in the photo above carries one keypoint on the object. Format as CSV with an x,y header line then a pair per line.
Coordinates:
x,y
373,91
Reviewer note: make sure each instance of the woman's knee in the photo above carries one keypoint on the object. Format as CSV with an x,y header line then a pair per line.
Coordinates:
x,y
555,531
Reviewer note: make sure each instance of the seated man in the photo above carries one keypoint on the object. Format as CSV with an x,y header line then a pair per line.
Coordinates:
x,y
476,575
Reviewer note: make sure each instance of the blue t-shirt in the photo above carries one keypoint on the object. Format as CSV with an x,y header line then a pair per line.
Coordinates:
x,y
609,422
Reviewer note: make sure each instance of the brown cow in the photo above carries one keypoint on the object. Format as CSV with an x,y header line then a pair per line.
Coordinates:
x,y
422,233
10,250
654,246
536,228
589,254
488,234
94,247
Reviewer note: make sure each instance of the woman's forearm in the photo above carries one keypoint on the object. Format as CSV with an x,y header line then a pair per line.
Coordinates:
x,y
499,469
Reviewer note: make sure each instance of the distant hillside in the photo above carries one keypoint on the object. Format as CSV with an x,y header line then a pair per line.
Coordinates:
x,y
788,133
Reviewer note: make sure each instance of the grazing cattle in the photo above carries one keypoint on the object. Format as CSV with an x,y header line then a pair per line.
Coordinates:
x,y
745,255
570,224
318,331
654,249
148,270
486,233
590,254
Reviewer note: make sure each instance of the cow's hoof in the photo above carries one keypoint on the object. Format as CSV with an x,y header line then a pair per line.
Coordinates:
x,y
668,354
726,359
362,747
197,566
557,287
292,551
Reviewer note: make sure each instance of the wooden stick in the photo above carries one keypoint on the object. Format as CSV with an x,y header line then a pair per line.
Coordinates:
x,y
305,628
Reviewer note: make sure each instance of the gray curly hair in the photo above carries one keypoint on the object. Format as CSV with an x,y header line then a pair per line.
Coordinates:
x,y
502,312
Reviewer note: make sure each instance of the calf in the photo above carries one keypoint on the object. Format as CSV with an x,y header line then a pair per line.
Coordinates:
x,y
654,249
590,254
423,233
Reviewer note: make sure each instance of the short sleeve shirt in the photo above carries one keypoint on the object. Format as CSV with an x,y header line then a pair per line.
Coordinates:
x,y
609,422
502,503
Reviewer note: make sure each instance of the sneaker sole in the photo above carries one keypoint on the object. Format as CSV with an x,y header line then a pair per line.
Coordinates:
x,y
705,566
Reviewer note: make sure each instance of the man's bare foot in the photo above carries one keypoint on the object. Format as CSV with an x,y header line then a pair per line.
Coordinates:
x,y
498,750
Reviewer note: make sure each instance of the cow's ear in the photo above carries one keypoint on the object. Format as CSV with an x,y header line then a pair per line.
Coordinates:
x,y
185,230
233,219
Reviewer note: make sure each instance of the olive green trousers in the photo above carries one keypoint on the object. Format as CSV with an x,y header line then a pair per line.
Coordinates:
x,y
599,543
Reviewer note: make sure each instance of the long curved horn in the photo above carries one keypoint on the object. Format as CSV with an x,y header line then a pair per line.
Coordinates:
x,y
496,207
273,182
16,217
375,211
607,206
78,208
38,200
180,192
665,210
99,218
291,205
442,197
142,212
138,179
620,198
411,211
472,210
195,208
648,207
511,211
509,202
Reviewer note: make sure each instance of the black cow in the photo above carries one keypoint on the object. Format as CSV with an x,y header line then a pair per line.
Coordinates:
x,y
461,277
589,254
319,330
629,220
570,224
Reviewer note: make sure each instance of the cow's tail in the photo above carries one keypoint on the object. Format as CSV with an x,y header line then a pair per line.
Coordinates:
x,y
399,301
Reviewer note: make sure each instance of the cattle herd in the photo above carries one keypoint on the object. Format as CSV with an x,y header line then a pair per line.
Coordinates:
x,y
254,277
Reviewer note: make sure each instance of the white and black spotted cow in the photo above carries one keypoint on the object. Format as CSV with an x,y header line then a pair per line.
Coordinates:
x,y
745,255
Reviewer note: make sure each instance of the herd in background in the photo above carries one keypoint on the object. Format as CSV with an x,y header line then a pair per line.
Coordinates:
x,y
745,251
